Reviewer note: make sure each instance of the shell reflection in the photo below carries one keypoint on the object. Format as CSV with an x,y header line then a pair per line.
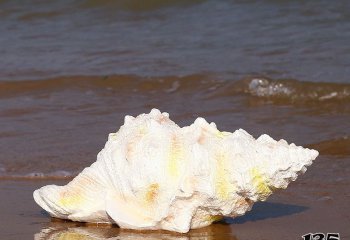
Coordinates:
x,y
62,231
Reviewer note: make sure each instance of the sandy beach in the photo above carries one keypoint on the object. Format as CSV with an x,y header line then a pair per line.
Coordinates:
x,y
312,204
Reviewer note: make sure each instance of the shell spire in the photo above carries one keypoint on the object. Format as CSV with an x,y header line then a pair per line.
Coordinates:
x,y
152,174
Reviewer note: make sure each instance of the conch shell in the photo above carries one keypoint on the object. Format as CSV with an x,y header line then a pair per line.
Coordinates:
x,y
152,174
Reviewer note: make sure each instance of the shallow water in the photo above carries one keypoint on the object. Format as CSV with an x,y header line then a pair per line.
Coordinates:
x,y
54,128
305,40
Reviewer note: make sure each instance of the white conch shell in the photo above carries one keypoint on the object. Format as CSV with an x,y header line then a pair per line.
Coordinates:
x,y
152,174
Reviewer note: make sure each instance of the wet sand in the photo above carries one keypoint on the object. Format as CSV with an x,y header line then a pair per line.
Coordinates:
x,y
307,205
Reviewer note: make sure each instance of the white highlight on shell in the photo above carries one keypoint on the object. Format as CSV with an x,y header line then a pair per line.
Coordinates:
x,y
152,174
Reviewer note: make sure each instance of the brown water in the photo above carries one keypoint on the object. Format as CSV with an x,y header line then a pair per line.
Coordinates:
x,y
56,127
71,70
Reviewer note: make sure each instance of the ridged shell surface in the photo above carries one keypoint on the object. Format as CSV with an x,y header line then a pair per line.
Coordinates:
x,y
153,174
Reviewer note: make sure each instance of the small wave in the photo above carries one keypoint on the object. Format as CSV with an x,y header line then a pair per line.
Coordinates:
x,y
120,83
280,91
287,91
264,88
134,5
37,175
338,146
295,90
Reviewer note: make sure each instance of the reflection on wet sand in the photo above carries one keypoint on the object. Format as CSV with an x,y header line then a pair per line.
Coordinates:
x,y
74,231
59,229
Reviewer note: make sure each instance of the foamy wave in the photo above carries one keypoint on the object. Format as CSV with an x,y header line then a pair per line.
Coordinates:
x,y
61,174
297,91
264,88
207,86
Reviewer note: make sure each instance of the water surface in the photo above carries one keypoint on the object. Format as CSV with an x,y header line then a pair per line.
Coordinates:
x,y
71,70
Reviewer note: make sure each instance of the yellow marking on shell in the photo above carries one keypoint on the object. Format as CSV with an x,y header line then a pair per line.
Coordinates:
x,y
260,182
142,130
212,218
222,134
74,194
152,192
113,136
70,200
222,180
137,210
175,155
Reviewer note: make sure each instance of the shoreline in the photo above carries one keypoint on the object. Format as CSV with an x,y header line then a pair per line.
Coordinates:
x,y
287,214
